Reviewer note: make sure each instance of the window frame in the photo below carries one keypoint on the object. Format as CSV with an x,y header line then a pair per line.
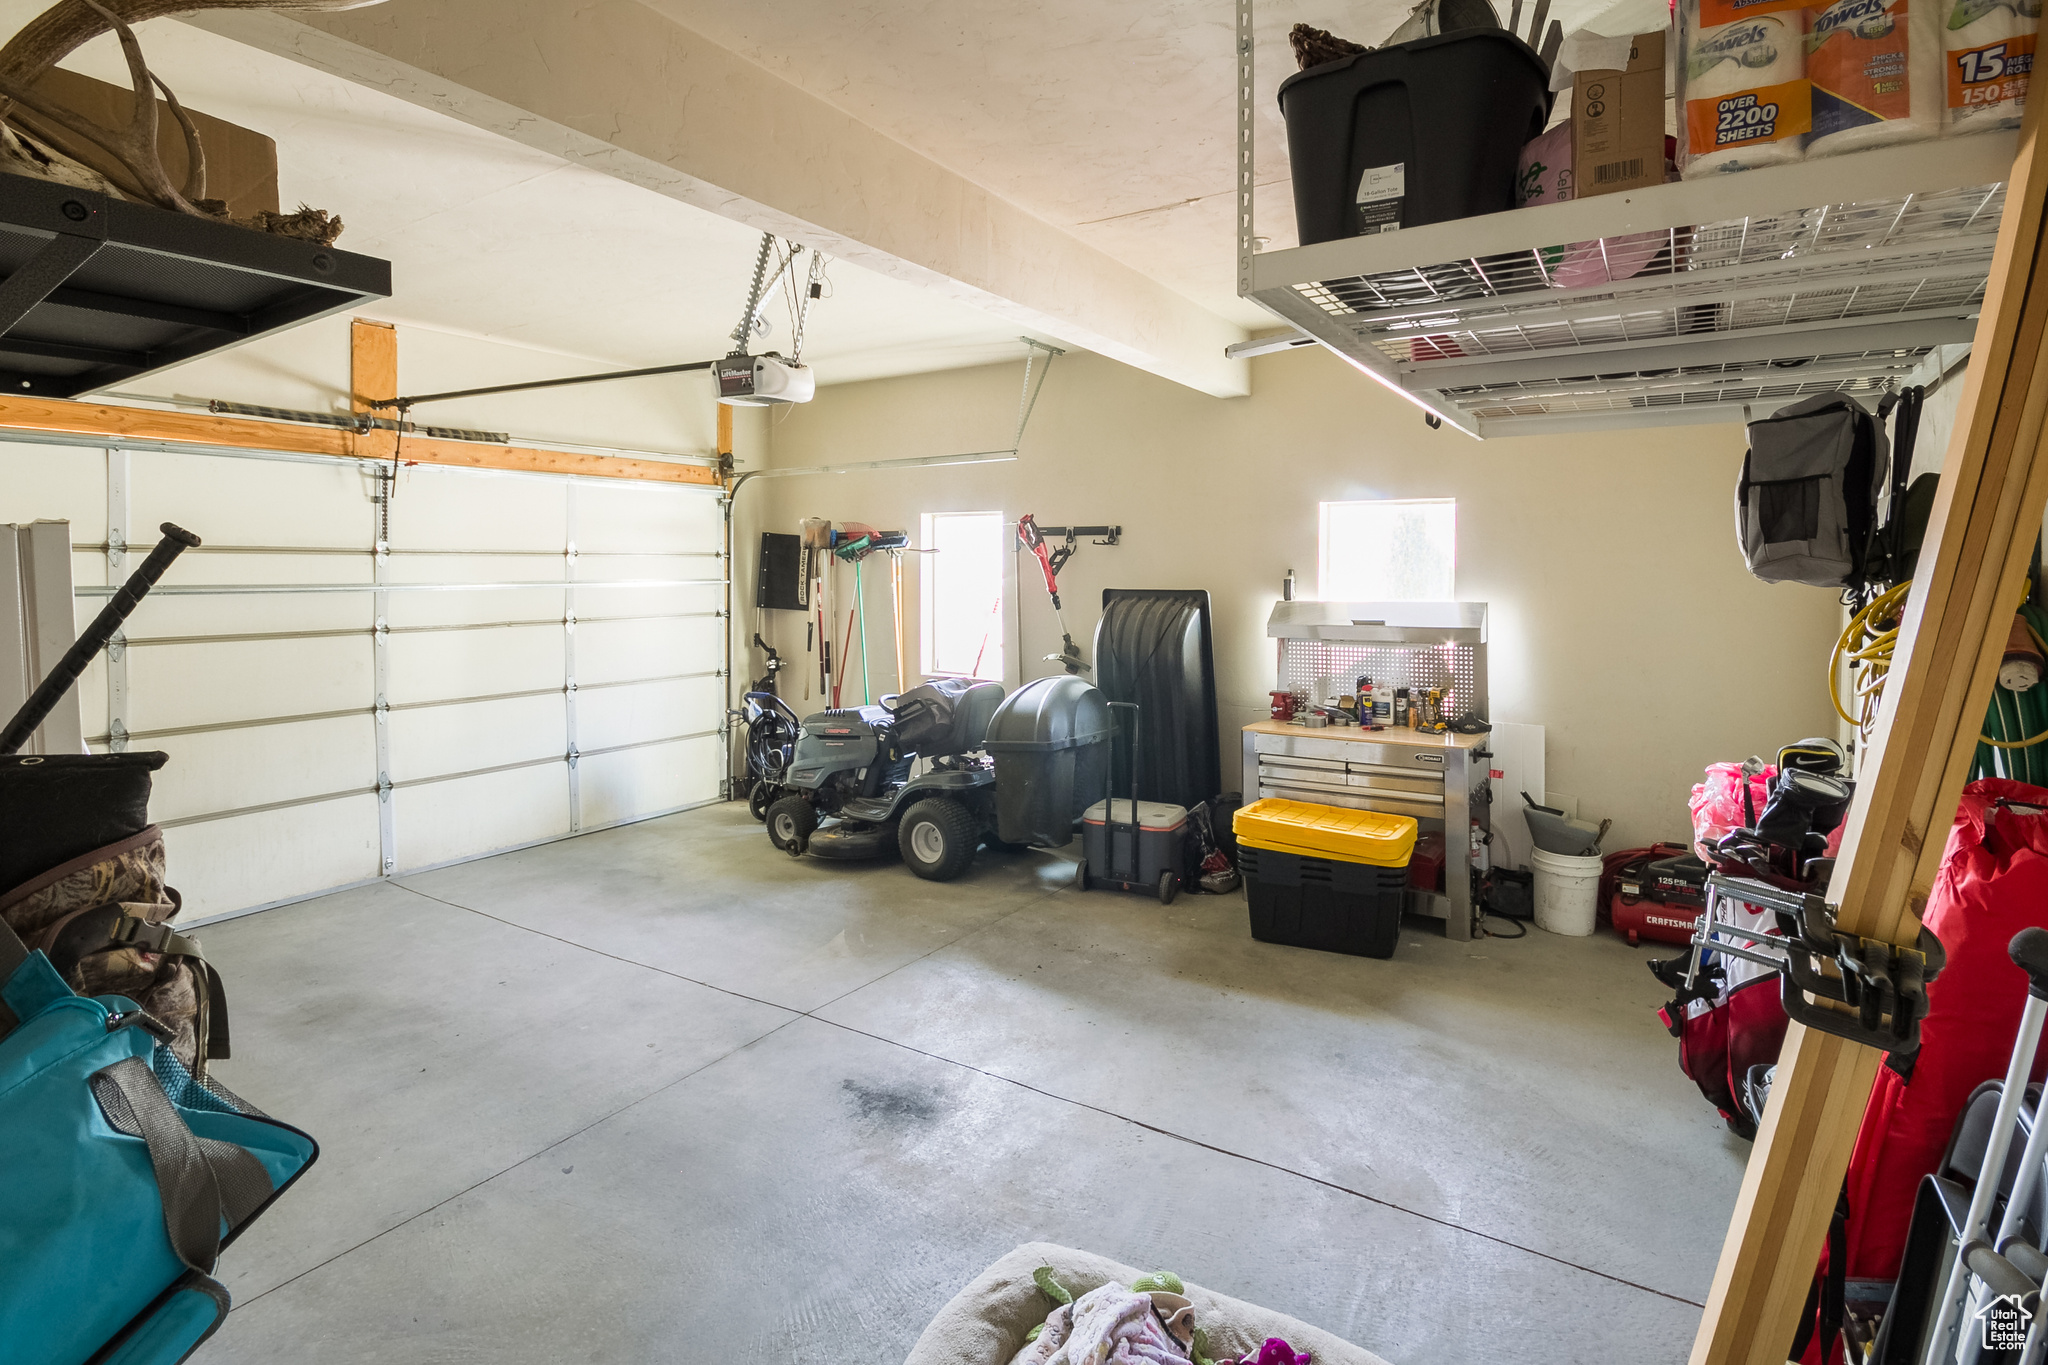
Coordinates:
x,y
1323,572
929,568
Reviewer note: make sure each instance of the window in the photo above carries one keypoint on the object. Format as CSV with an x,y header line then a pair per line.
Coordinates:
x,y
963,593
1390,550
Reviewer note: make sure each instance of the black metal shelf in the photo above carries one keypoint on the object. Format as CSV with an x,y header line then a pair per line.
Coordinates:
x,y
99,290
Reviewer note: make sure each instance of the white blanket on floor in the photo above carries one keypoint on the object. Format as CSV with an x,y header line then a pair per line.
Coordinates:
x,y
985,1322
1108,1325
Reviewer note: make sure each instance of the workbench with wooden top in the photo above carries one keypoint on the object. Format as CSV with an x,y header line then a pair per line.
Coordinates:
x,y
1440,780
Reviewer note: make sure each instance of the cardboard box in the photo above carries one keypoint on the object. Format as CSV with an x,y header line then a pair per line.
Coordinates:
x,y
1618,122
241,164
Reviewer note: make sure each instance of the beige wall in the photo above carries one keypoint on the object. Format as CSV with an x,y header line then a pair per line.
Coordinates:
x,y
1622,618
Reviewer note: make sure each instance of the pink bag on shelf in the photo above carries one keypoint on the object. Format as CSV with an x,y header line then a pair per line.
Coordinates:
x,y
1544,176
1717,803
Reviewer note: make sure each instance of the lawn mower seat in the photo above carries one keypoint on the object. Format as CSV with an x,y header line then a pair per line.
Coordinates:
x,y
946,716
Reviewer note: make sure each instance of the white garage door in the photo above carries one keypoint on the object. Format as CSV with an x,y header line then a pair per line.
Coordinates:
x,y
333,713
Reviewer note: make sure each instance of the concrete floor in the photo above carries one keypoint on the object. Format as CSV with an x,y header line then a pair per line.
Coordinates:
x,y
662,1094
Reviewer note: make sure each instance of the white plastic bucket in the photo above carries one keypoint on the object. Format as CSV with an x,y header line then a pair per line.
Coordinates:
x,y
1567,893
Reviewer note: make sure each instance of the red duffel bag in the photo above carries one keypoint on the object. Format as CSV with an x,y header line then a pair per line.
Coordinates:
x,y
1993,883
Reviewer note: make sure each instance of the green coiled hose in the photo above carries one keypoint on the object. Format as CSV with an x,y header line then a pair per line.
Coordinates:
x,y
2014,719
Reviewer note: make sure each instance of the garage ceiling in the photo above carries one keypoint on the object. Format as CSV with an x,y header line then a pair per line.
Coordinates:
x,y
1097,133
1111,119
492,239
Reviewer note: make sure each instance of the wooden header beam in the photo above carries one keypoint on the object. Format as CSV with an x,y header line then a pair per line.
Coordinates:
x,y
1980,537
114,422
184,428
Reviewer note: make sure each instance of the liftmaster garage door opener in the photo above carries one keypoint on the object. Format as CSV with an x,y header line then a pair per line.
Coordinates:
x,y
759,381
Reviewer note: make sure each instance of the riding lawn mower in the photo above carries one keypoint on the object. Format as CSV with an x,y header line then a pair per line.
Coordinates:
x,y
1015,772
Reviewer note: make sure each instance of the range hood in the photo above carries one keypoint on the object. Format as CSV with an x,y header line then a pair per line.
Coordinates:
x,y
1380,623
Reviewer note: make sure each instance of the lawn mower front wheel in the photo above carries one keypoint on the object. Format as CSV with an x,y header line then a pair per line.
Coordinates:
x,y
937,838
791,822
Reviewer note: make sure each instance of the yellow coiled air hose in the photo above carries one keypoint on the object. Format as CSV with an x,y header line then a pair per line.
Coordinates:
x,y
2017,721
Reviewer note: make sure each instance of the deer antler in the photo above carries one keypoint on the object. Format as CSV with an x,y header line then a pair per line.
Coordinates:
x,y
195,153
134,144
138,169
62,29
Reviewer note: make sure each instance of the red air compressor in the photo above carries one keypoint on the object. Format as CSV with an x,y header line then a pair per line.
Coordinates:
x,y
1654,893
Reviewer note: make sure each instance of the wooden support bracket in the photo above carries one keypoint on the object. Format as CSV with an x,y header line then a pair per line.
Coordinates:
x,y
1980,537
373,378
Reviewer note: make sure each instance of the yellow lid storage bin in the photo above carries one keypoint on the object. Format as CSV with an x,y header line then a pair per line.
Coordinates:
x,y
1334,832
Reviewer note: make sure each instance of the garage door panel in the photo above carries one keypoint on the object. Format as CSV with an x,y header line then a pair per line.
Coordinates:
x,y
438,740
259,765
252,614
617,515
443,821
429,610
57,483
465,509
221,563
621,651
232,501
471,606
633,782
178,685
438,666
687,561
693,599
226,865
501,564
611,716
163,614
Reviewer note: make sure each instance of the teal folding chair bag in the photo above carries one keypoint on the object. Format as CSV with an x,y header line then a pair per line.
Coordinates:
x,y
121,1178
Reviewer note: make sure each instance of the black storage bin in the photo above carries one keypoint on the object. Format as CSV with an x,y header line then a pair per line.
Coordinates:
x,y
1322,903
1049,741
1451,112
56,807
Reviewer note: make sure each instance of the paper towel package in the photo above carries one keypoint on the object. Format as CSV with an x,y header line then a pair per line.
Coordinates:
x,y
1746,97
1990,51
1875,70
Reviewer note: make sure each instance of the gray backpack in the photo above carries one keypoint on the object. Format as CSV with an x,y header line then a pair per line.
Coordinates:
x,y
1807,502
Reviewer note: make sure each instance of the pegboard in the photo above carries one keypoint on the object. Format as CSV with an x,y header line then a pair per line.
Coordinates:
x,y
1458,669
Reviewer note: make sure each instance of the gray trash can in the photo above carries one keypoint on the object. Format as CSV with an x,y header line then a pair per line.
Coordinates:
x,y
1049,740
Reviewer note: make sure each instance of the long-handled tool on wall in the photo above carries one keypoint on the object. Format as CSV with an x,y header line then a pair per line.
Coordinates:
x,y
896,611
1050,562
817,544
852,543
